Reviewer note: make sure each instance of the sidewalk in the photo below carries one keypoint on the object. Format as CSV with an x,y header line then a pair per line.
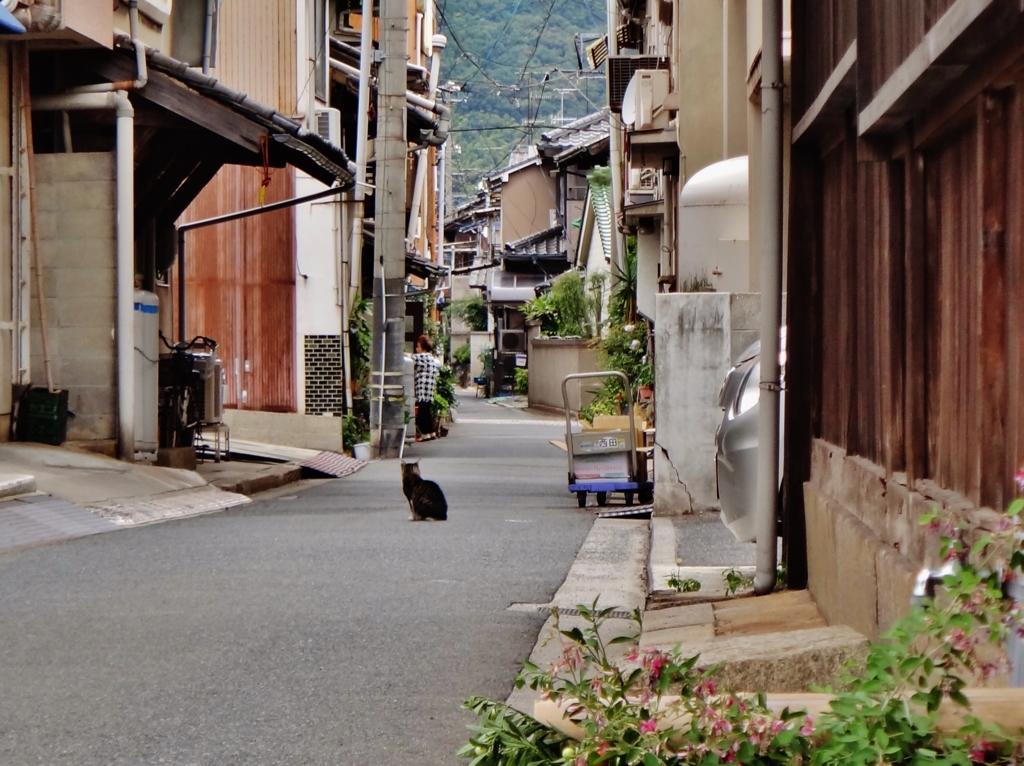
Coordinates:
x,y
774,643
49,494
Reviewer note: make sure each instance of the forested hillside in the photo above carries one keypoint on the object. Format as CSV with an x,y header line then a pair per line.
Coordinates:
x,y
517,65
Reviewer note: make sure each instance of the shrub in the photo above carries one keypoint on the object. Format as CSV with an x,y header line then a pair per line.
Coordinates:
x,y
657,708
522,381
472,310
461,355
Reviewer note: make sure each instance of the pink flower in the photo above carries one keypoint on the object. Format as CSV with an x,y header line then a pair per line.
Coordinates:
x,y
705,689
648,726
959,640
808,728
656,665
980,752
1019,479
777,726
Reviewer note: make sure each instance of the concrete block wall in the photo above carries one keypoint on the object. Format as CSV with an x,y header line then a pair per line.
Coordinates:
x,y
75,196
698,336
551,359
865,544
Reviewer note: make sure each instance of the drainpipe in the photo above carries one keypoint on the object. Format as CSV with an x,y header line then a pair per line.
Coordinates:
x,y
142,73
211,6
125,207
125,275
766,504
439,42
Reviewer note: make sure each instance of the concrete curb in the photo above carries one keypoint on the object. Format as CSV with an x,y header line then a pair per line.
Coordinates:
x,y
270,478
611,566
14,484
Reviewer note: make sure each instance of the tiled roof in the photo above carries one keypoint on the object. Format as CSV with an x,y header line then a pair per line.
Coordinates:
x,y
546,243
587,134
601,199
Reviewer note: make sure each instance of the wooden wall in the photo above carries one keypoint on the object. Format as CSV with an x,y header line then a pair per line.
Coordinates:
x,y
240,285
907,332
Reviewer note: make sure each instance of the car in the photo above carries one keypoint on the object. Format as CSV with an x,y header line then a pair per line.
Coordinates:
x,y
736,440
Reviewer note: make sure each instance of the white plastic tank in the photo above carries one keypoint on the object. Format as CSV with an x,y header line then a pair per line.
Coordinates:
x,y
714,227
147,356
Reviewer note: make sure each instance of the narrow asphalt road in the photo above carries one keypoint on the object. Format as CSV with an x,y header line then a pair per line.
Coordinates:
x,y
317,626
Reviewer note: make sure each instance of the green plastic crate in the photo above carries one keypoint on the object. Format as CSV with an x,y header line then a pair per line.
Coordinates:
x,y
47,416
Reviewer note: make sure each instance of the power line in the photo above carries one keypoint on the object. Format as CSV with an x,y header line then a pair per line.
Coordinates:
x,y
458,44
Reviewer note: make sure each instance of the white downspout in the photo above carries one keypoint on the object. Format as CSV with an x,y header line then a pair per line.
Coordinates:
x,y
766,503
421,155
125,163
125,218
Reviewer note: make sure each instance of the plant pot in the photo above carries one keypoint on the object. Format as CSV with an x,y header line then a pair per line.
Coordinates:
x,y
361,451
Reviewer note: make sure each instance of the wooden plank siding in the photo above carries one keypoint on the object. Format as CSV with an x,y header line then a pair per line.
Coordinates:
x,y
256,52
887,32
240,282
240,288
832,25
907,284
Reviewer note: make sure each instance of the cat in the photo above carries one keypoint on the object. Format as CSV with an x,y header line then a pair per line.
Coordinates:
x,y
426,500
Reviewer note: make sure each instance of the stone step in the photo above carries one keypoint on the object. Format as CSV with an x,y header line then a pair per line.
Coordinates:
x,y
778,642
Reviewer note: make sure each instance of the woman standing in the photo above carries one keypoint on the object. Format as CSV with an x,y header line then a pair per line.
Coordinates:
x,y
424,380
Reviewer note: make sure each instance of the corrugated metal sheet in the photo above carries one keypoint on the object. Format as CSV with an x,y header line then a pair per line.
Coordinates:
x,y
256,51
240,288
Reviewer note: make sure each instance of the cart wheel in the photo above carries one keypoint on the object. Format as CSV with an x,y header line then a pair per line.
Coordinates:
x,y
646,496
581,498
602,498
629,498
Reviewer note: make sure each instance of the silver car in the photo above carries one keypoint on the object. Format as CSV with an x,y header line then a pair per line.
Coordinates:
x,y
736,440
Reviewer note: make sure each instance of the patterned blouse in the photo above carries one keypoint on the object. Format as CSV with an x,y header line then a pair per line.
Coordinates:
x,y
425,374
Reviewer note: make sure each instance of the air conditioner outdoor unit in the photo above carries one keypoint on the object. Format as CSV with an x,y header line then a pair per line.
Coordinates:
x,y
328,125
649,90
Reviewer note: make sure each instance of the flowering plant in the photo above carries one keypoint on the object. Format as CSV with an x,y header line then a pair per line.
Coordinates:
x,y
655,708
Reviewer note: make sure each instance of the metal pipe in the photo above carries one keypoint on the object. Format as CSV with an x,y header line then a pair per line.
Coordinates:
x,y
211,6
766,504
227,218
125,163
443,112
141,71
362,152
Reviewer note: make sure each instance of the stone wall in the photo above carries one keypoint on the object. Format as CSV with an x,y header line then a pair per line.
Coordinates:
x,y
551,359
865,544
75,196
697,338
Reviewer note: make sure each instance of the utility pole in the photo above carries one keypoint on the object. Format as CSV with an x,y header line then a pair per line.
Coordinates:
x,y
387,410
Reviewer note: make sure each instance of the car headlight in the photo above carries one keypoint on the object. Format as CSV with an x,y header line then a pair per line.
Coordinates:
x,y
751,390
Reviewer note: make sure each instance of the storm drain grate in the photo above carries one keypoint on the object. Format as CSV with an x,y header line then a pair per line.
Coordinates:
x,y
567,611
635,512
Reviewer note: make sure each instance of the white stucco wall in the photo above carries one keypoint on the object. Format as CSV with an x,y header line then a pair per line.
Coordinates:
x,y
317,262
698,335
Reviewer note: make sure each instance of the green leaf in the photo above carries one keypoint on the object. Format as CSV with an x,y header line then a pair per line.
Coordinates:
x,y
1015,507
650,759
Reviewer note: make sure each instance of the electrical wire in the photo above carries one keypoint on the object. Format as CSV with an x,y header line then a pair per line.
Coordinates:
x,y
464,52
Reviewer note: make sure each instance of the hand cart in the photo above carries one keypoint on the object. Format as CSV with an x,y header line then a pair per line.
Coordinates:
x,y
604,461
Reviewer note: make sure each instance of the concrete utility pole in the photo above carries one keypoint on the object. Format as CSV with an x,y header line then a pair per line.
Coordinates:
x,y
387,413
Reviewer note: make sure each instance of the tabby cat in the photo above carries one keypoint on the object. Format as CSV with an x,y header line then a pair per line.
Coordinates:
x,y
426,500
